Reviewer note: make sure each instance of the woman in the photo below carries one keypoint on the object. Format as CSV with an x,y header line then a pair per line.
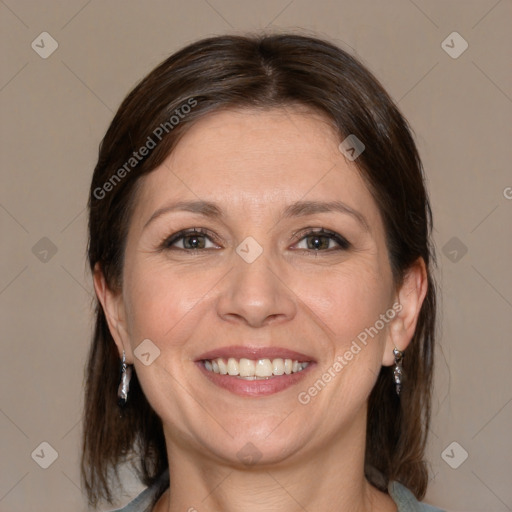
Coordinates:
x,y
260,246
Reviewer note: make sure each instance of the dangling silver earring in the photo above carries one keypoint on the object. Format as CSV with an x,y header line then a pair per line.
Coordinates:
x,y
397,371
124,384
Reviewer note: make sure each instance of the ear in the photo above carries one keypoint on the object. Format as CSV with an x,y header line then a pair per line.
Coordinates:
x,y
113,307
408,304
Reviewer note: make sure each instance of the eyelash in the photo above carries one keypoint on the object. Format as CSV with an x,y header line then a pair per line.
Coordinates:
x,y
342,242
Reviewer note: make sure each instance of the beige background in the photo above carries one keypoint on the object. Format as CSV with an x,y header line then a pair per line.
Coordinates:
x,y
54,112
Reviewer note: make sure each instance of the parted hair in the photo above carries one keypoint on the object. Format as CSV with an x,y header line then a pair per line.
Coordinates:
x,y
258,72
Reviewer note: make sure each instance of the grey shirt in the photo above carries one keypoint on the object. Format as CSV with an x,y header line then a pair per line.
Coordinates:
x,y
144,502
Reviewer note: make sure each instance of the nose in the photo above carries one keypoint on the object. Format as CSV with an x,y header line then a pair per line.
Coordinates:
x,y
256,294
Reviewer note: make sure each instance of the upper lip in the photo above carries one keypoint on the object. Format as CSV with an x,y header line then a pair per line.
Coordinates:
x,y
239,351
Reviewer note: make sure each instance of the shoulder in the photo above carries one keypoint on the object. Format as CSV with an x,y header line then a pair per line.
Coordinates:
x,y
146,500
406,501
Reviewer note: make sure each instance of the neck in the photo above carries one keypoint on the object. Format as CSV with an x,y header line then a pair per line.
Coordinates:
x,y
324,478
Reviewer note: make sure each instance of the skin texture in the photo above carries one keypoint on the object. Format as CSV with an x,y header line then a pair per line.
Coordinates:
x,y
252,164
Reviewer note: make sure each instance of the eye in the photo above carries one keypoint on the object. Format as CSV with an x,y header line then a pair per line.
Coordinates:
x,y
190,240
322,240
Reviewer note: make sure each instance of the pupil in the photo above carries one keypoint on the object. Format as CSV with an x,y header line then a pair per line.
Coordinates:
x,y
319,242
194,242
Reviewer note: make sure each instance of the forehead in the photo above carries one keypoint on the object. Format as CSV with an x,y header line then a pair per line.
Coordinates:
x,y
256,143
253,159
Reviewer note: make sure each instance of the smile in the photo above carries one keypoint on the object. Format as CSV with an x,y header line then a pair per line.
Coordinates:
x,y
251,369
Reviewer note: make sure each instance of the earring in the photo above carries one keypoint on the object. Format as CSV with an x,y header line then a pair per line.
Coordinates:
x,y
397,371
124,384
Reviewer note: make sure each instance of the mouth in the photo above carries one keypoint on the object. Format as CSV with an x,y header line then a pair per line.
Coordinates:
x,y
254,371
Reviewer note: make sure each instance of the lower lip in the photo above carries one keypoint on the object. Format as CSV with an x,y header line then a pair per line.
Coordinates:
x,y
259,387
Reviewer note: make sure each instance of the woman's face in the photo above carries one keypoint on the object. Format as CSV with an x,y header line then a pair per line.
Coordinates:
x,y
259,282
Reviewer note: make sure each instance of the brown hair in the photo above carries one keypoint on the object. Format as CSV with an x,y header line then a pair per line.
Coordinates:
x,y
258,72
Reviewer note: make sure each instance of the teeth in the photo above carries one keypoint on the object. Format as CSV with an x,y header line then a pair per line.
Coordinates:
x,y
254,369
263,368
278,366
246,367
233,368
222,367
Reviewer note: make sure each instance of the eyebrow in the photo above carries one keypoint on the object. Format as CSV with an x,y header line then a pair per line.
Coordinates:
x,y
303,208
202,207
297,209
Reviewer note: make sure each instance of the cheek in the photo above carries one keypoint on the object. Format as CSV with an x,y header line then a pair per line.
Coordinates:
x,y
165,305
347,300
163,302
349,304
